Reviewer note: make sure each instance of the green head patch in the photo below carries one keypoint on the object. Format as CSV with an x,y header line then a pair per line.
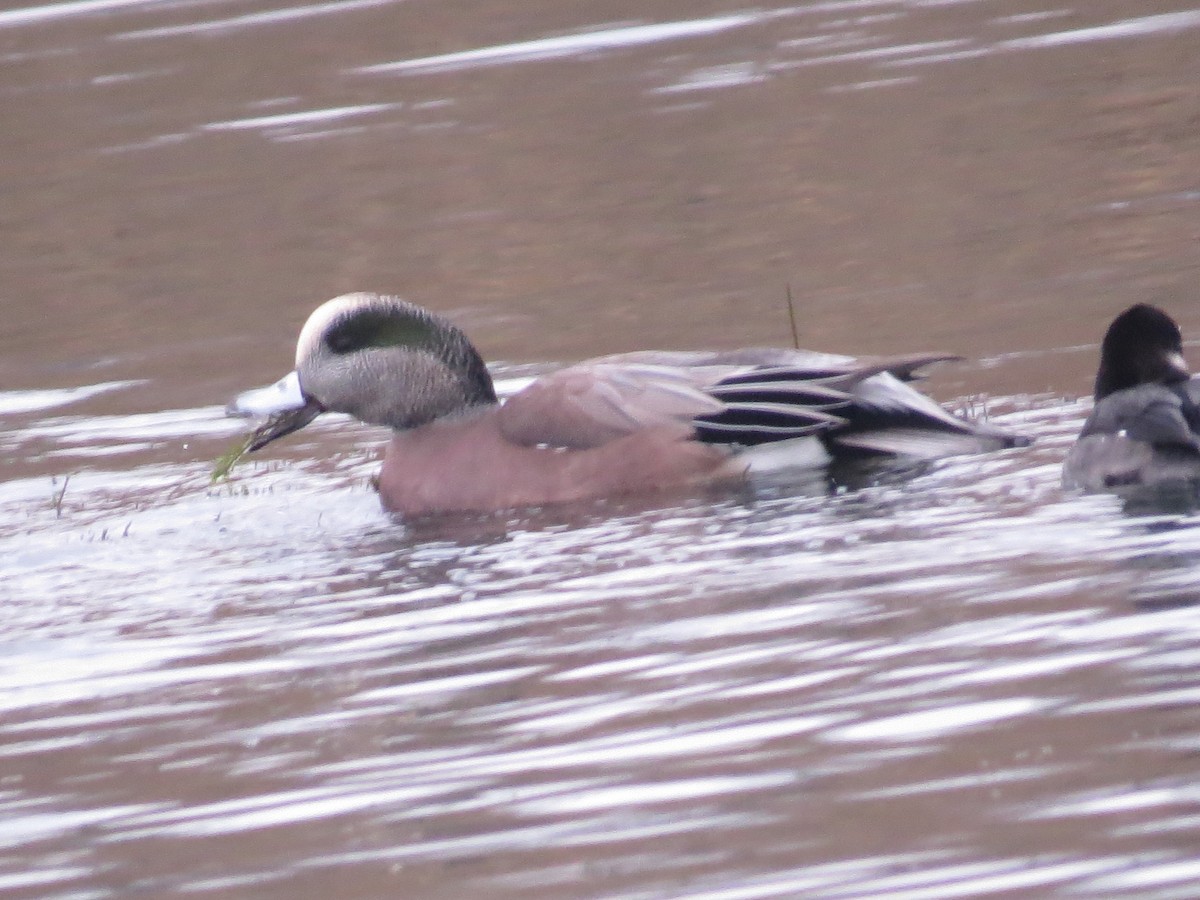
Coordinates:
x,y
379,328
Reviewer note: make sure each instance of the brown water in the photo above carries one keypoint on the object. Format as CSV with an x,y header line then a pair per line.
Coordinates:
x,y
953,682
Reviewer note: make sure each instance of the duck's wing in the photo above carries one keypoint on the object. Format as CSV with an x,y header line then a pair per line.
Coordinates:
x,y
1152,413
854,407
888,416
777,402
593,403
745,398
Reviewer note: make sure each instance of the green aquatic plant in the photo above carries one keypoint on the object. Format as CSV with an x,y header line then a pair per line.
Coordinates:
x,y
225,463
56,501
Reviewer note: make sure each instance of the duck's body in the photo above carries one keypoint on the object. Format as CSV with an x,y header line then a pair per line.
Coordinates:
x,y
432,468
1145,426
618,425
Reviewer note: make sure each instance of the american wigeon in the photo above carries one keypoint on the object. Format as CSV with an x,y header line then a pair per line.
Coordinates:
x,y
1145,426
619,424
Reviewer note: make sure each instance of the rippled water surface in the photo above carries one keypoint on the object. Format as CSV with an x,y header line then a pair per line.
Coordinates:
x,y
948,681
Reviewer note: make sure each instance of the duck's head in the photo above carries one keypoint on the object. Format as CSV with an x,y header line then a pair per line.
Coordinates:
x,y
378,358
1143,345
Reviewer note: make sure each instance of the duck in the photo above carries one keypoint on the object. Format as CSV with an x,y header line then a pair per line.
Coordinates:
x,y
616,425
1144,427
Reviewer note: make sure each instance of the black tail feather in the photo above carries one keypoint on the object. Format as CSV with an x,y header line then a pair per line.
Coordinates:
x,y
777,402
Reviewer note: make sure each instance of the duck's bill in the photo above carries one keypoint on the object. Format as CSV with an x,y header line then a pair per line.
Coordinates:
x,y
284,404
283,395
1179,365
281,423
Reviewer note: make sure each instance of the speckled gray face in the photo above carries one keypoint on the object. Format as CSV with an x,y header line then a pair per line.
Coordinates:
x,y
389,362
377,358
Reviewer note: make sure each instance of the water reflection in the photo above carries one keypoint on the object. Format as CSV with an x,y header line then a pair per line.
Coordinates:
x,y
47,11
251,20
582,684
571,45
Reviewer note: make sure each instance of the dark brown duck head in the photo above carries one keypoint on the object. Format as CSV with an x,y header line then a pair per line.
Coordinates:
x,y
1143,345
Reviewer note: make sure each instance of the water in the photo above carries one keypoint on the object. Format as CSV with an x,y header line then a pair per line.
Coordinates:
x,y
946,682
